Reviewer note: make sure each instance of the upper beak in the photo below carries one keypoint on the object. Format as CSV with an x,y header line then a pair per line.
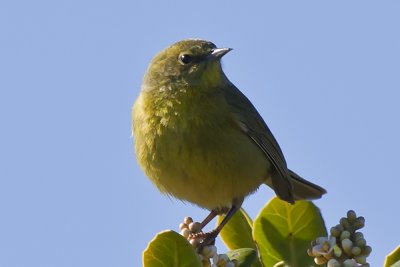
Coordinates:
x,y
219,52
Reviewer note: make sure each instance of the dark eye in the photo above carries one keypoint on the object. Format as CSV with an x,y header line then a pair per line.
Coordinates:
x,y
185,58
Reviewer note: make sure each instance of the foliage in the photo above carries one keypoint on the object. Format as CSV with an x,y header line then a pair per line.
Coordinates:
x,y
393,259
169,248
281,235
283,232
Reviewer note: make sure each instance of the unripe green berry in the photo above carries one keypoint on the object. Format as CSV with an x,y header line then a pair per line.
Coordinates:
x,y
337,251
360,223
361,242
335,232
347,245
349,263
367,250
356,251
340,227
345,223
351,215
361,259
333,263
358,235
344,235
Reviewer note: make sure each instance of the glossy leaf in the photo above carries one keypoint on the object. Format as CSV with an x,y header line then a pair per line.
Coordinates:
x,y
245,256
237,233
283,232
169,248
393,259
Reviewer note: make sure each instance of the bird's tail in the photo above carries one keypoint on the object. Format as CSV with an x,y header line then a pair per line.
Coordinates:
x,y
303,189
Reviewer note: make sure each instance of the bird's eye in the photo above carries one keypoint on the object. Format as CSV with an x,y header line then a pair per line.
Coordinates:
x,y
185,58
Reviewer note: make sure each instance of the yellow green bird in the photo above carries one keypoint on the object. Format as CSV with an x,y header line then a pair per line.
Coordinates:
x,y
199,139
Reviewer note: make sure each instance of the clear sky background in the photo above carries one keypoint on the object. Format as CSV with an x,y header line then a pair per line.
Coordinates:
x,y
324,75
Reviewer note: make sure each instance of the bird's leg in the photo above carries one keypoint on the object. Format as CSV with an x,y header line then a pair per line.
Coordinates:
x,y
199,235
209,238
208,219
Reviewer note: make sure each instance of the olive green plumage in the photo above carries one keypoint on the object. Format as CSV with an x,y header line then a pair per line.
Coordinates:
x,y
199,139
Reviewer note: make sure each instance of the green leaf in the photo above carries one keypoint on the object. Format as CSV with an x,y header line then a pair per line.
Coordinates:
x,y
283,232
169,248
237,233
393,259
245,256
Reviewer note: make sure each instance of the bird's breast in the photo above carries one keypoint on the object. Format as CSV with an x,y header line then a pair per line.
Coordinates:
x,y
195,152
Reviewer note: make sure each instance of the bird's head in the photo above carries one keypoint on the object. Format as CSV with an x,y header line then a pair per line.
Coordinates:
x,y
191,62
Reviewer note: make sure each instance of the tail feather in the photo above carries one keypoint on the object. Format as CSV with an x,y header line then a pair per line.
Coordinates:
x,y
303,189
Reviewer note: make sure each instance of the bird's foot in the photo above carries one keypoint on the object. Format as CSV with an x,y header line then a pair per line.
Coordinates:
x,y
204,239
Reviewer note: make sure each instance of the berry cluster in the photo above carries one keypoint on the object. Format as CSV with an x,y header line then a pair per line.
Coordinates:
x,y
346,246
208,254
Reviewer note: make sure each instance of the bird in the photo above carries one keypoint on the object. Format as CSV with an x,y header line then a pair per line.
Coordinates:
x,y
199,139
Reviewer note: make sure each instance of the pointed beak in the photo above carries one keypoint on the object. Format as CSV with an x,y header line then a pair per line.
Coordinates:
x,y
218,53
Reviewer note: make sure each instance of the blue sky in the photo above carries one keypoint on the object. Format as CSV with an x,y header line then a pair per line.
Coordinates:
x,y
324,75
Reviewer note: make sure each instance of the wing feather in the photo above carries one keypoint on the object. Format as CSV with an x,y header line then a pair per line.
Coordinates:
x,y
250,122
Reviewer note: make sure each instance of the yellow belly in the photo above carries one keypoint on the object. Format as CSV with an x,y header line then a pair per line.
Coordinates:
x,y
207,164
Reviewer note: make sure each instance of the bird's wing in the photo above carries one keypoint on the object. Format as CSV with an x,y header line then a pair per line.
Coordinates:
x,y
250,122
